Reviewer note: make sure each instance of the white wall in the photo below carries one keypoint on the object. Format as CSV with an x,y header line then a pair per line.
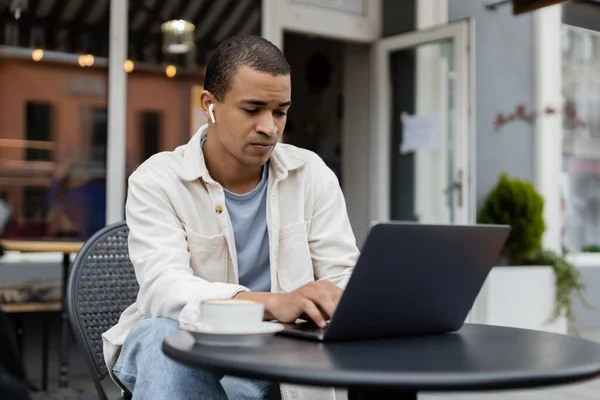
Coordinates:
x,y
548,129
504,79
286,15
432,165
295,16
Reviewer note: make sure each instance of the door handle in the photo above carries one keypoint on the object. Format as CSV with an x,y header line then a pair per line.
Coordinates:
x,y
458,186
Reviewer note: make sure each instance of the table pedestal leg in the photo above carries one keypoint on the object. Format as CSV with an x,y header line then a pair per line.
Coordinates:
x,y
64,367
375,394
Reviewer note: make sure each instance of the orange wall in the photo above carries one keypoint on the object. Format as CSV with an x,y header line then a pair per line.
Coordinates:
x,y
22,82
163,95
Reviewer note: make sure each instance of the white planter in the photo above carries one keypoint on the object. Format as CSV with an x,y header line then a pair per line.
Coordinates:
x,y
584,260
519,297
588,264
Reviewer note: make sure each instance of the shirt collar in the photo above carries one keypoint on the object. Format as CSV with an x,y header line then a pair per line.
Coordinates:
x,y
193,166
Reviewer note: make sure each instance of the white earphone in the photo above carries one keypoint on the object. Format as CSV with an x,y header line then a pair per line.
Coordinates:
x,y
212,113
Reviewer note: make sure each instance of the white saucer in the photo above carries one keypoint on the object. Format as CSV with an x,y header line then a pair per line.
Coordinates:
x,y
240,339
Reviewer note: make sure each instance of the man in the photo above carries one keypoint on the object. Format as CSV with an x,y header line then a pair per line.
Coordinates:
x,y
232,214
78,208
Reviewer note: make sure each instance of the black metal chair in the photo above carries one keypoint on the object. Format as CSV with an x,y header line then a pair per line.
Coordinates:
x,y
101,285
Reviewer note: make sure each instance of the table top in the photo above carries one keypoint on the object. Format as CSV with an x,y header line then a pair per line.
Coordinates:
x,y
478,357
42,245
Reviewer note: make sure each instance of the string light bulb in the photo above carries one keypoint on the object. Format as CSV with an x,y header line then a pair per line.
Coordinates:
x,y
85,60
128,66
171,71
89,60
37,55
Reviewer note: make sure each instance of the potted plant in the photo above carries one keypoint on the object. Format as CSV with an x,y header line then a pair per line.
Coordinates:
x,y
588,257
531,287
592,248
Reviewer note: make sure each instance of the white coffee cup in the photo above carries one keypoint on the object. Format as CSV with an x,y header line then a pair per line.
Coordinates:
x,y
231,316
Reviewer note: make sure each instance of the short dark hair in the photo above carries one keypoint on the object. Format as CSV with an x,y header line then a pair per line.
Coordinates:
x,y
242,51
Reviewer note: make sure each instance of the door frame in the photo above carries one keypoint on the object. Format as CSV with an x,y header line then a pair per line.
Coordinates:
x,y
464,136
359,138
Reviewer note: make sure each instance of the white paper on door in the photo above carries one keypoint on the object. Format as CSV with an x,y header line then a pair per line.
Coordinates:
x,y
419,132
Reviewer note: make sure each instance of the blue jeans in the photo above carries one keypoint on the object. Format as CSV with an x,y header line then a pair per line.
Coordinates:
x,y
144,369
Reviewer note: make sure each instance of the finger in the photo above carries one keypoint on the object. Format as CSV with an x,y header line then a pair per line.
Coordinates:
x,y
327,308
335,292
313,312
323,299
304,316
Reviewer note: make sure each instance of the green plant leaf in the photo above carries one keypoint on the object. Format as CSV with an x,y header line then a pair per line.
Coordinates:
x,y
568,280
593,248
516,203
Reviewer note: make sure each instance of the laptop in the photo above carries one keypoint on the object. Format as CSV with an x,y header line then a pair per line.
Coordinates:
x,y
411,279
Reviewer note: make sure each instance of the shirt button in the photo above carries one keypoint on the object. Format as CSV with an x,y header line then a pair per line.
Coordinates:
x,y
219,209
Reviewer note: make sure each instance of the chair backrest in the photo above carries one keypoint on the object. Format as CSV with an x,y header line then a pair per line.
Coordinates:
x,y
101,285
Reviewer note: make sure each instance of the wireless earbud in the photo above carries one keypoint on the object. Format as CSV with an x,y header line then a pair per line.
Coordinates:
x,y
212,113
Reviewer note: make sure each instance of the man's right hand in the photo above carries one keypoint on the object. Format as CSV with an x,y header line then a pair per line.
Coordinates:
x,y
317,300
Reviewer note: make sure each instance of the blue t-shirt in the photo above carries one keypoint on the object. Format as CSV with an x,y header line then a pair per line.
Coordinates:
x,y
248,214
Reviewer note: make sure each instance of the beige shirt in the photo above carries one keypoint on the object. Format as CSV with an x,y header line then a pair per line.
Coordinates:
x,y
182,246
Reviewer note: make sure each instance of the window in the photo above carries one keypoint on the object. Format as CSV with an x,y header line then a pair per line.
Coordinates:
x,y
150,133
37,129
99,136
53,122
33,204
581,138
5,211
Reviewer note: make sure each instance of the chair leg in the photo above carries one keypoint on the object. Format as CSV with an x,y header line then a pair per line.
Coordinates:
x,y
45,350
63,373
19,333
20,336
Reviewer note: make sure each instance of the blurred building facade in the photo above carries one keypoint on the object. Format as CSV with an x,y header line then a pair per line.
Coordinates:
x,y
59,64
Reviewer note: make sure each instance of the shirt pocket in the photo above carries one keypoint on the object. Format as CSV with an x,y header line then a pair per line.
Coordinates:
x,y
209,258
295,261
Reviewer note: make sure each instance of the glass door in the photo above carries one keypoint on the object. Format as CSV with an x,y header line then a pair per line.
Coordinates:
x,y
422,148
